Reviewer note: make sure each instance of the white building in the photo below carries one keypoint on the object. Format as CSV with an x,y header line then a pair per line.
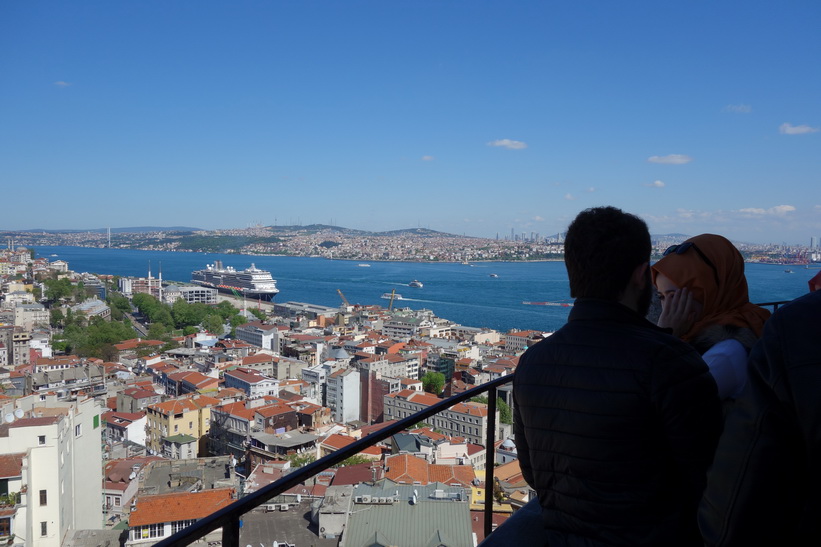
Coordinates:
x,y
251,382
259,334
61,448
344,395
27,316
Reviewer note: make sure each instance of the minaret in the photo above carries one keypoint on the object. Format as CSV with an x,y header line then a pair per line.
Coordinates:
x,y
159,288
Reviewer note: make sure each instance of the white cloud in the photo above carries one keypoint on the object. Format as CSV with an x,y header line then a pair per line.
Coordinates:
x,y
508,143
670,159
569,197
656,184
537,218
591,189
778,210
62,84
738,108
789,129
427,158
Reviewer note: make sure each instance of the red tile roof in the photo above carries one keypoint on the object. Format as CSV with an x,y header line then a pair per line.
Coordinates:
x,y
136,342
11,465
408,469
179,506
337,441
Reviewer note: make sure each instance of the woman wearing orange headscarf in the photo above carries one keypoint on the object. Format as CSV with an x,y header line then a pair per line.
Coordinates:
x,y
705,301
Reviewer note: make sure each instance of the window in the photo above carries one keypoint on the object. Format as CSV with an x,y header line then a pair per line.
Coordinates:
x,y
5,527
180,524
43,498
41,440
190,425
78,430
176,428
43,529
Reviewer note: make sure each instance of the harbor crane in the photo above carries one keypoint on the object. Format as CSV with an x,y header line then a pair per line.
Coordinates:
x,y
342,296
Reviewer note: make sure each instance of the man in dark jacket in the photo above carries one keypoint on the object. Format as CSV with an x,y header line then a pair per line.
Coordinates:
x,y
616,420
765,485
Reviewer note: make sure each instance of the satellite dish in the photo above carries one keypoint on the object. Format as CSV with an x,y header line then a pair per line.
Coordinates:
x,y
18,413
9,418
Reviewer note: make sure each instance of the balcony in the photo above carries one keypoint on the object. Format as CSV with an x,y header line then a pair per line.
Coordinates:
x,y
520,529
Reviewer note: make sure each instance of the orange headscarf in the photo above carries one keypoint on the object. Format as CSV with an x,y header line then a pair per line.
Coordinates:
x,y
727,303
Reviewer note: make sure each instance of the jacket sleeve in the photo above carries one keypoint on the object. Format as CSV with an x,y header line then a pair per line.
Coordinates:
x,y
752,495
690,409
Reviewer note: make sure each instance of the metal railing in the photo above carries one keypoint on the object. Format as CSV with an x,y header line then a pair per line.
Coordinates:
x,y
228,518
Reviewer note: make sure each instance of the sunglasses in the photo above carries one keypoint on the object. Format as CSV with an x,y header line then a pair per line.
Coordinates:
x,y
682,248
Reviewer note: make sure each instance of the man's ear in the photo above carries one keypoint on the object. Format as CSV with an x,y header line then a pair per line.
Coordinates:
x,y
639,276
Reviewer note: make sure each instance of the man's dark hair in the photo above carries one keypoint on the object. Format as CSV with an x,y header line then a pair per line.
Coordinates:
x,y
602,249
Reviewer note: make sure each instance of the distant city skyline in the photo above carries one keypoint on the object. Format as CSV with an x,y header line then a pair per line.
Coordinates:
x,y
458,117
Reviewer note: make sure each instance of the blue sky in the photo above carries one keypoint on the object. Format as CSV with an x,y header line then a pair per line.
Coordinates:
x,y
469,117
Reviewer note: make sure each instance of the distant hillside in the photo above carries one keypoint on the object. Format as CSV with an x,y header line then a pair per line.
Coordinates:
x,y
132,230
315,228
423,232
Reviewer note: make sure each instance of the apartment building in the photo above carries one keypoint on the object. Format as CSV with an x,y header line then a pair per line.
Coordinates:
x,y
260,335
468,420
251,382
343,395
29,316
188,416
53,444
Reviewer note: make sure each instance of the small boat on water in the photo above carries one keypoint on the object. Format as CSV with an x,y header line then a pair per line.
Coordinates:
x,y
416,283
364,265
395,296
788,271
494,275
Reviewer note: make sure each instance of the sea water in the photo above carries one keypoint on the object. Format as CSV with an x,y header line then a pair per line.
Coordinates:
x,y
466,294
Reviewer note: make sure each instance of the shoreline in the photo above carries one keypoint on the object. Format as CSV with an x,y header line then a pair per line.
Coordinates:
x,y
800,265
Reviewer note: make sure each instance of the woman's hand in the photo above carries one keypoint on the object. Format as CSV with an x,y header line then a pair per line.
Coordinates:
x,y
679,311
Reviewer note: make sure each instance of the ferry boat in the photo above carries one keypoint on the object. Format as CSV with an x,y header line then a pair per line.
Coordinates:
x,y
416,283
394,295
251,282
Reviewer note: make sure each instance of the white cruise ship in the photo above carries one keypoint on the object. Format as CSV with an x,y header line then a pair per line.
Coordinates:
x,y
251,282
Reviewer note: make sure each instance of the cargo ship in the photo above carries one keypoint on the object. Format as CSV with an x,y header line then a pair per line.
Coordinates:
x,y
250,282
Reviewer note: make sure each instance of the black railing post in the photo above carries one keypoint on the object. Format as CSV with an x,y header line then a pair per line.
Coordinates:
x,y
490,458
230,533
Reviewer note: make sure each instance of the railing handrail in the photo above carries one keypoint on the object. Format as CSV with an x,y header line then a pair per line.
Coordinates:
x,y
229,516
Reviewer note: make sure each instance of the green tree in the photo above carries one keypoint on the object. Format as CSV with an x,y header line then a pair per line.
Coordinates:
x,y
225,309
505,415
158,331
56,317
57,289
433,382
300,460
213,324
259,314
356,459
